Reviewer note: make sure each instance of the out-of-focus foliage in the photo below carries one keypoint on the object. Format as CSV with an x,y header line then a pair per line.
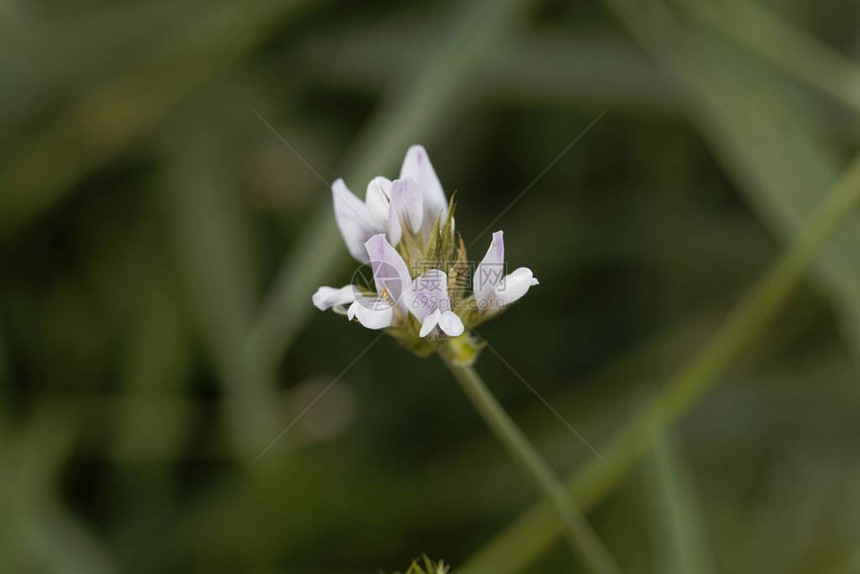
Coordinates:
x,y
165,216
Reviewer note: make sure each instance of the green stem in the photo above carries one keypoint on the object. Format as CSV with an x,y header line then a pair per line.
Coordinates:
x,y
581,537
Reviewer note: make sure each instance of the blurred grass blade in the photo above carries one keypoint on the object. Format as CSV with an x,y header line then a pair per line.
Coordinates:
x,y
103,123
680,534
37,534
151,418
532,534
215,253
545,68
762,132
789,48
414,110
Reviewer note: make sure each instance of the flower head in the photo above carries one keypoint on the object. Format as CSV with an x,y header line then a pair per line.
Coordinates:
x,y
425,292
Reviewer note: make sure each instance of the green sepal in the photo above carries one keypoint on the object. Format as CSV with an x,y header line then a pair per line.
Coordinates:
x,y
407,337
425,565
433,254
447,233
457,270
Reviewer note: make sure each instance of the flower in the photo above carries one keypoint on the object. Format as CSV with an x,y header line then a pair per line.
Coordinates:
x,y
336,299
416,197
405,230
388,306
491,288
429,303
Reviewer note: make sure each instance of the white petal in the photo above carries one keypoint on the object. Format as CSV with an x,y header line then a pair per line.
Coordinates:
x,y
451,324
416,165
340,309
353,220
491,269
429,292
389,271
371,312
429,323
328,297
407,202
515,285
393,229
376,199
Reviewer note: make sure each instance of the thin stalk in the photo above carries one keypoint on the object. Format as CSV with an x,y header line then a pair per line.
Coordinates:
x,y
583,540
535,530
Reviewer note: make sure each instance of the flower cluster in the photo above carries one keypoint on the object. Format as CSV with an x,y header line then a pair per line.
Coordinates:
x,y
425,291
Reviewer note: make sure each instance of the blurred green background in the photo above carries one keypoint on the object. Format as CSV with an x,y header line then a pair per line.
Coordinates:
x,y
161,236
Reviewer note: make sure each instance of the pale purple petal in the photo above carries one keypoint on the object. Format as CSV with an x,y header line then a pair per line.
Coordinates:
x,y
407,202
389,271
429,292
515,285
353,220
416,165
377,201
429,323
332,298
491,269
451,324
371,312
